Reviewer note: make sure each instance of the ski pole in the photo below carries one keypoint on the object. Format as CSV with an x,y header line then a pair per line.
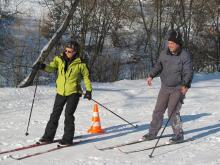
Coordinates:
x,y
32,105
180,99
135,126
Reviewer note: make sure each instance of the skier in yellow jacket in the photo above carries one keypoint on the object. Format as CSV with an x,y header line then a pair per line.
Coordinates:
x,y
70,71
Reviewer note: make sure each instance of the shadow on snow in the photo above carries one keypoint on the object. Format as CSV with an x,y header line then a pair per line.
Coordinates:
x,y
124,129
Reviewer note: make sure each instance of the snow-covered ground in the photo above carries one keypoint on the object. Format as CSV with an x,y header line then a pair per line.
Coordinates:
x,y
134,101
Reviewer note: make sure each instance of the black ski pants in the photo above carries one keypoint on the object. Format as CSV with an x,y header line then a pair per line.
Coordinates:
x,y
71,102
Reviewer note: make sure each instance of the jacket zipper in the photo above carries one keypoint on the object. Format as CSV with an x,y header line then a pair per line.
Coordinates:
x,y
70,72
64,81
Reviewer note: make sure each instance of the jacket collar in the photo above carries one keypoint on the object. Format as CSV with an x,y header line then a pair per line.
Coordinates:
x,y
75,59
171,54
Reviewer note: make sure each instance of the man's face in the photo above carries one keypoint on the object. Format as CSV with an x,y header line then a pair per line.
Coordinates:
x,y
173,47
70,52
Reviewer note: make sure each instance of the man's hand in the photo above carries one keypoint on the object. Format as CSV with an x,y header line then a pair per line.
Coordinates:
x,y
183,90
149,81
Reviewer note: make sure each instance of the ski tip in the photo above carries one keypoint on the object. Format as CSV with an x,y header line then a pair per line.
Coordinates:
x,y
121,150
12,157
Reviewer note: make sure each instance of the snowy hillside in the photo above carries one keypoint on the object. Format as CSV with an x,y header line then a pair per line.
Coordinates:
x,y
134,101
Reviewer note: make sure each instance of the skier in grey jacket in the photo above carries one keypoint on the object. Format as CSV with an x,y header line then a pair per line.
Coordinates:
x,y
175,69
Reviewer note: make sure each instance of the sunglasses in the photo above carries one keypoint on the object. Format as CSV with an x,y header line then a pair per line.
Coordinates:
x,y
68,51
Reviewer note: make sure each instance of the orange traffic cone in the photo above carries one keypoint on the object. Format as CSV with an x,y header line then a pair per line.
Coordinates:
x,y
96,125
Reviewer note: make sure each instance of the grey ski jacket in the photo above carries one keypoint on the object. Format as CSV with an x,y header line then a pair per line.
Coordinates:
x,y
174,70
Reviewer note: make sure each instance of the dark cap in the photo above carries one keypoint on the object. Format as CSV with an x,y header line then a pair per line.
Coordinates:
x,y
74,45
175,36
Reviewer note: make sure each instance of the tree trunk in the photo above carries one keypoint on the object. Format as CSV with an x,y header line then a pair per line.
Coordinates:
x,y
49,46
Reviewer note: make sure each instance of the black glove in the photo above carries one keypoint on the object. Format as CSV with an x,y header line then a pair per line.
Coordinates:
x,y
88,95
39,66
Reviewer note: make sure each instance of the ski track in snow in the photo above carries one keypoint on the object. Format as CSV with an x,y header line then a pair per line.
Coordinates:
x,y
131,99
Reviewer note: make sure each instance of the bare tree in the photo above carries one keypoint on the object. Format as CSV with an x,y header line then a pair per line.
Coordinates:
x,y
49,46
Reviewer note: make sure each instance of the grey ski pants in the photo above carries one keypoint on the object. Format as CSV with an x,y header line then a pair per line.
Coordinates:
x,y
168,97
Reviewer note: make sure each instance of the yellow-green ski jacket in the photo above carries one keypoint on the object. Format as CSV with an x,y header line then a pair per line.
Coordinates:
x,y
68,82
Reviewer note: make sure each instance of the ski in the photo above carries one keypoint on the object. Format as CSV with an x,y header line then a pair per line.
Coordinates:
x,y
129,143
158,146
27,147
32,146
43,152
49,150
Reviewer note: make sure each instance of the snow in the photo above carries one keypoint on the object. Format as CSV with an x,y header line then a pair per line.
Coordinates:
x,y
131,99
